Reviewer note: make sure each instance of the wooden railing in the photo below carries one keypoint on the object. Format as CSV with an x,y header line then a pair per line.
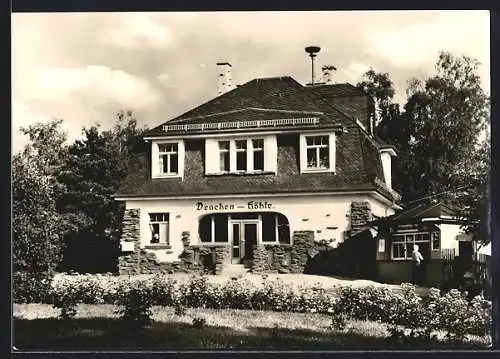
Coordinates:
x,y
243,124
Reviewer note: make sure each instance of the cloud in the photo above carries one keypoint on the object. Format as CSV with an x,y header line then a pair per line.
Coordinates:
x,y
153,63
98,84
137,30
417,45
355,70
24,116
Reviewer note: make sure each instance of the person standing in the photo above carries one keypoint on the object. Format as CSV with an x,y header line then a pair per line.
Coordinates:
x,y
417,267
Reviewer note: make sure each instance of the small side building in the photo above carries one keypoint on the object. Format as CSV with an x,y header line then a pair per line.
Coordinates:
x,y
447,250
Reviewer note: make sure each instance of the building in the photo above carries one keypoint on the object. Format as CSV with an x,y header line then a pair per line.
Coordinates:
x,y
436,228
253,177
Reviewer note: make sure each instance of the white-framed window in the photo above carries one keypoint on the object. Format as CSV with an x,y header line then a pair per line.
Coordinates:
x,y
402,244
258,154
317,152
159,226
435,241
223,156
169,158
239,155
381,245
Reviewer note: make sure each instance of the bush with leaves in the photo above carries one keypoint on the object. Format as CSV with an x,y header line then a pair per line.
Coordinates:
x,y
36,240
369,303
411,319
338,321
31,287
135,301
199,322
410,316
66,298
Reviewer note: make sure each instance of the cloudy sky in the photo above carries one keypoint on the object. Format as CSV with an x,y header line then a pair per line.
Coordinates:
x,y
83,67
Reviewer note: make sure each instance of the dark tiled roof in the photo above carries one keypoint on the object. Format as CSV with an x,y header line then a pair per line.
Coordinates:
x,y
277,93
336,90
358,163
418,212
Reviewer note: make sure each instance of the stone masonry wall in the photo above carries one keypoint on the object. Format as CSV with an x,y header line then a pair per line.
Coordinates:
x,y
360,215
274,258
260,262
303,249
144,262
128,264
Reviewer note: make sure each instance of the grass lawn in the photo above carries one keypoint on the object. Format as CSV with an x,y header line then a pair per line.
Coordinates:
x,y
97,327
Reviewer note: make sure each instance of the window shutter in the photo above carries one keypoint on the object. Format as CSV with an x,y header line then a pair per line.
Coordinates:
x,y
211,156
331,149
181,158
155,160
302,153
270,154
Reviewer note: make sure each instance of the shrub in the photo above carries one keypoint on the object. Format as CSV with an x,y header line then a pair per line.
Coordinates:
x,y
197,293
199,322
136,301
411,318
313,299
370,303
338,321
458,317
237,294
180,310
31,288
66,298
164,291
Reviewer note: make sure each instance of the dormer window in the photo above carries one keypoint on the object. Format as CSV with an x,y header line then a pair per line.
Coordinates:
x,y
241,155
258,155
251,155
169,158
317,152
224,156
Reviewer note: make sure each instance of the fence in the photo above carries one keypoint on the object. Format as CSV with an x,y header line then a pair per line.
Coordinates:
x,y
466,273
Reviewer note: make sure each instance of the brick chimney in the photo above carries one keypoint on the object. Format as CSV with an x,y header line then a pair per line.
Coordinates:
x,y
328,74
224,80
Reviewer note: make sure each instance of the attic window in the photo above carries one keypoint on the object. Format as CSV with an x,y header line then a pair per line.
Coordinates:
x,y
169,158
317,152
241,156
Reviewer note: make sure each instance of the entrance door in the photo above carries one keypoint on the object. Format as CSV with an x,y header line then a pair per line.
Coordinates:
x,y
244,236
